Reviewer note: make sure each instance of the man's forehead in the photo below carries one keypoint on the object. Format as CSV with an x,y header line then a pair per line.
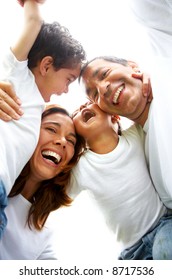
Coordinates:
x,y
94,68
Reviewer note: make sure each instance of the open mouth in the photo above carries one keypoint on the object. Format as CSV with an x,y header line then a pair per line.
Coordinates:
x,y
51,156
87,115
117,94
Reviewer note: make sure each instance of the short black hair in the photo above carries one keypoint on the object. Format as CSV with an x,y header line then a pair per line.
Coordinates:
x,y
56,41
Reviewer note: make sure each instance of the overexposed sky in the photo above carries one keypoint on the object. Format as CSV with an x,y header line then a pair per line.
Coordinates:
x,y
103,28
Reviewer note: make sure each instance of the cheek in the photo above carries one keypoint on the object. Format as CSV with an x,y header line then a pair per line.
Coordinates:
x,y
101,104
76,122
70,153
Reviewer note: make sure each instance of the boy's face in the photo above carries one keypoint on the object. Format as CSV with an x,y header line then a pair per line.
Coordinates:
x,y
57,81
112,87
90,120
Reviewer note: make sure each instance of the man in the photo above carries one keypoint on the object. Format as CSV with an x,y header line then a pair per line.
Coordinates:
x,y
111,85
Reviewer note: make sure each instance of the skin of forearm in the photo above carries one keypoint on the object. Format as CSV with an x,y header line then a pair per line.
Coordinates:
x,y
32,25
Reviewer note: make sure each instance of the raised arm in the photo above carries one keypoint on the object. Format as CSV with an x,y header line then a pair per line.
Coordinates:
x,y
31,27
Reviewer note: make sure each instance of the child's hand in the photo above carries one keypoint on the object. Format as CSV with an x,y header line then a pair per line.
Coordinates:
x,y
21,2
147,89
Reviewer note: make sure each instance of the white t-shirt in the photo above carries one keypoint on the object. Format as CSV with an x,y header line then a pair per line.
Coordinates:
x,y
120,184
19,138
20,242
156,16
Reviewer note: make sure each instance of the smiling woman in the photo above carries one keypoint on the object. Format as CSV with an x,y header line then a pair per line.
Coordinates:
x,y
41,188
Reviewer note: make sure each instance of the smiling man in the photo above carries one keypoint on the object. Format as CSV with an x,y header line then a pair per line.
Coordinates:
x,y
110,82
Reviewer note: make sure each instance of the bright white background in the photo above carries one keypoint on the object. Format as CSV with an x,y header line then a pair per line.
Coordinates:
x,y
103,28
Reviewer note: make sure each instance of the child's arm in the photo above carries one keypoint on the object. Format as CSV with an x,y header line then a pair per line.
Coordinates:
x,y
32,25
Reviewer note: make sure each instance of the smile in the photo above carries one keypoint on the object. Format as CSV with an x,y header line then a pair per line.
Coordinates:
x,y
87,115
117,93
52,156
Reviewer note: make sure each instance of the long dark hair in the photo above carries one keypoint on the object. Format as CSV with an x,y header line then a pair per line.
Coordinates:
x,y
52,193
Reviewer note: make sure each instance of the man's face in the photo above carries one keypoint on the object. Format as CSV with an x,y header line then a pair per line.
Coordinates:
x,y
112,87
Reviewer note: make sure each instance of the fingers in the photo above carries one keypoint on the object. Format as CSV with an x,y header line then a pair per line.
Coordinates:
x,y
9,103
146,84
146,88
9,110
6,89
4,116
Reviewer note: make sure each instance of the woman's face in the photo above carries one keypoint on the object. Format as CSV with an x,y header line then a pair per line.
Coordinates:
x,y
55,148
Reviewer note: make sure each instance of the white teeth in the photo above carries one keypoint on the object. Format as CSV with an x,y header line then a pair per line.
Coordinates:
x,y
117,94
52,154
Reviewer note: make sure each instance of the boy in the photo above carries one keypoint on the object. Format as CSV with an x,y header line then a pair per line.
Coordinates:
x,y
114,170
54,61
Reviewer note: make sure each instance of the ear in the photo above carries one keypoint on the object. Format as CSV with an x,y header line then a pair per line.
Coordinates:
x,y
45,64
134,66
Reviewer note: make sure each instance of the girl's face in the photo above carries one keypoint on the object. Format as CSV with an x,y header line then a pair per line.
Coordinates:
x,y
55,148
90,121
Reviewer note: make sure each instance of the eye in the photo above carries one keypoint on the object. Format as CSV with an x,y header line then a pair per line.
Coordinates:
x,y
51,129
73,142
75,113
104,74
70,80
94,96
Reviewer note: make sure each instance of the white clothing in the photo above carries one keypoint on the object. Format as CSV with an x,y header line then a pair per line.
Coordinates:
x,y
120,184
19,138
156,16
19,242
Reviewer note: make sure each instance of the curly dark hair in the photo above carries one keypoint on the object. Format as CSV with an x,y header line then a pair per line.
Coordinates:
x,y
52,193
56,41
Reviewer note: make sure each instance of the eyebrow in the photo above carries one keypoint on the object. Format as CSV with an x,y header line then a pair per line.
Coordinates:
x,y
96,72
59,125
73,76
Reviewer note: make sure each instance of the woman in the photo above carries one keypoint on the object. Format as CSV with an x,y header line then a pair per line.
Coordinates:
x,y
41,188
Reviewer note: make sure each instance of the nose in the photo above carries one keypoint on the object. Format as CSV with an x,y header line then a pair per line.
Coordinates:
x,y
103,88
85,105
61,141
82,107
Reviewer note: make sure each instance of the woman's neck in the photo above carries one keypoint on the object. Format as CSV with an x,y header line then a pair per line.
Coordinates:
x,y
30,188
